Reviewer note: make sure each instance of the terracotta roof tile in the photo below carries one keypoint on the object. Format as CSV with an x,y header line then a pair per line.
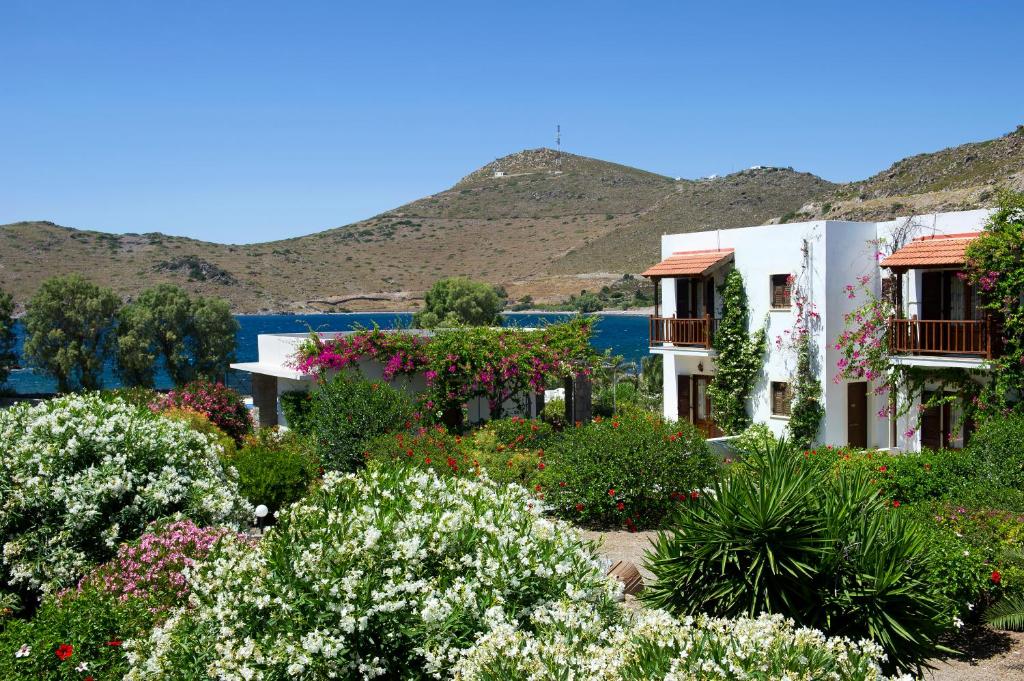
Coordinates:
x,y
689,263
942,250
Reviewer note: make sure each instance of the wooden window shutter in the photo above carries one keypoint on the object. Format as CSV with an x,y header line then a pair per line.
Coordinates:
x,y
781,290
781,397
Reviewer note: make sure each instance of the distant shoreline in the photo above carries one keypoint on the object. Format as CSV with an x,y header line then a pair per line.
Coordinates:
x,y
635,312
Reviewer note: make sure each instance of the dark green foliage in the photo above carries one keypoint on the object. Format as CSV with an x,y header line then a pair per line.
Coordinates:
x,y
8,358
640,462
137,396
739,360
69,325
1007,614
297,406
748,546
88,622
189,337
828,550
458,301
347,411
807,411
274,469
998,450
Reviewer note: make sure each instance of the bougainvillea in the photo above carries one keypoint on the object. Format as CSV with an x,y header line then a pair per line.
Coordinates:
x,y
222,405
463,364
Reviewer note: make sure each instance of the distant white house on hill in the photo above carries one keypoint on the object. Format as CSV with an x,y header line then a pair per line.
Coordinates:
x,y
941,324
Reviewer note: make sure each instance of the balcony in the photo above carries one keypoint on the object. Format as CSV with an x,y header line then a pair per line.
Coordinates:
x,y
691,333
974,338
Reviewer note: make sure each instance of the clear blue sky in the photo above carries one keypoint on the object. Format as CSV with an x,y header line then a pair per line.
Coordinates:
x,y
248,121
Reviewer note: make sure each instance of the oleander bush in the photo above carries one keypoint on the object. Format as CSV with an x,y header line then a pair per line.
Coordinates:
x,y
777,535
390,573
116,601
630,470
138,396
639,645
348,412
275,468
222,405
79,475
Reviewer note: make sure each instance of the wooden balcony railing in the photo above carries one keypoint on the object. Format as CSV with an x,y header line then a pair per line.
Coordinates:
x,y
696,332
914,336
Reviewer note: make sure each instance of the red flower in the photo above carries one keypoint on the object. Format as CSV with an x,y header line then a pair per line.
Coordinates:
x,y
541,465
562,484
537,487
996,577
611,493
882,469
895,504
427,460
64,651
579,507
113,643
694,494
621,506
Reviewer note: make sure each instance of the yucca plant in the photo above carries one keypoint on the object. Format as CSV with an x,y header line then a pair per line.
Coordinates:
x,y
778,535
748,545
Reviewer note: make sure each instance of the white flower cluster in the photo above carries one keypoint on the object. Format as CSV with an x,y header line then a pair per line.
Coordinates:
x,y
576,644
393,572
80,474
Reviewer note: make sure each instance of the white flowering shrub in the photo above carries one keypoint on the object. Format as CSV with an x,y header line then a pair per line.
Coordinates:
x,y
390,573
79,475
576,642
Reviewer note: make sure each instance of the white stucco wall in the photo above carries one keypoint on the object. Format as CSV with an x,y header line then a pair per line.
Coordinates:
x,y
837,253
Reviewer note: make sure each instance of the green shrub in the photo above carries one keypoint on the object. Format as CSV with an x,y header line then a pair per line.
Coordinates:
x,y
395,569
274,468
348,411
110,469
630,470
755,436
297,406
554,413
827,550
998,451
610,399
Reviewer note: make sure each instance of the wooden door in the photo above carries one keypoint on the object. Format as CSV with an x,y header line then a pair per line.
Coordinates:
x,y
935,424
857,414
701,407
709,296
931,295
683,398
686,298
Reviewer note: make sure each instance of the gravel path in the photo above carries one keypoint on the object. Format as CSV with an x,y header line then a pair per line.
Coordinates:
x,y
995,655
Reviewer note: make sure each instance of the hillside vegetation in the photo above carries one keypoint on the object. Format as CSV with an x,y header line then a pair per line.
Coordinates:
x,y
540,223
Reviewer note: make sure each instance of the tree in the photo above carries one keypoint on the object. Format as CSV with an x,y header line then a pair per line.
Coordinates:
x,y
69,325
8,357
155,327
739,358
192,338
214,334
458,301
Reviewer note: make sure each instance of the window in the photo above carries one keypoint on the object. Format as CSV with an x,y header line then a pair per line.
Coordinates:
x,y
782,398
782,288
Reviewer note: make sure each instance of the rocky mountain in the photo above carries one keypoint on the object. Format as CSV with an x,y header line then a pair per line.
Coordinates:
x,y
539,222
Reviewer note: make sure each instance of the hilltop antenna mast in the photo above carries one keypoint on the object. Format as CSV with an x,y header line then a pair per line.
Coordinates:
x,y
558,144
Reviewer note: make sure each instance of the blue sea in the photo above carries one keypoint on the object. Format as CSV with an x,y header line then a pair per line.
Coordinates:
x,y
625,335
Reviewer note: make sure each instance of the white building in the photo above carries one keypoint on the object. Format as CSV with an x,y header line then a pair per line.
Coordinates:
x,y
274,374
942,324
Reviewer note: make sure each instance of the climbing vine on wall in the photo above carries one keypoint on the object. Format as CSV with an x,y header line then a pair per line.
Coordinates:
x,y
806,410
739,360
995,265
